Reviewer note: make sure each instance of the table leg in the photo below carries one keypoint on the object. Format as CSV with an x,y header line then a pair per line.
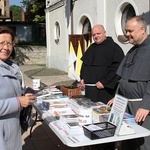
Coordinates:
x,y
36,120
118,145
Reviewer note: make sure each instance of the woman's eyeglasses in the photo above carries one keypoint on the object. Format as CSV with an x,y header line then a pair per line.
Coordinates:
x,y
3,43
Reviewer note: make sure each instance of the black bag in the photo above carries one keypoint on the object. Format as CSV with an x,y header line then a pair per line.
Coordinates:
x,y
25,117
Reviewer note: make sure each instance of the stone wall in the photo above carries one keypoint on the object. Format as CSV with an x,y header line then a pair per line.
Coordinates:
x,y
31,54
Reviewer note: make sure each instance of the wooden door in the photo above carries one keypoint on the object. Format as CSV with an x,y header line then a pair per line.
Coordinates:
x,y
84,39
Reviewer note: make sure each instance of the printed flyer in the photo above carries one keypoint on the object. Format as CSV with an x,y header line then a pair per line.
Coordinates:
x,y
117,111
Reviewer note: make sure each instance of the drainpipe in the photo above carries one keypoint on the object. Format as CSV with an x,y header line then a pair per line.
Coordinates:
x,y
7,8
71,11
22,14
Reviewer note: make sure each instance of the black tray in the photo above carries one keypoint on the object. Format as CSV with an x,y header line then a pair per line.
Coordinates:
x,y
107,130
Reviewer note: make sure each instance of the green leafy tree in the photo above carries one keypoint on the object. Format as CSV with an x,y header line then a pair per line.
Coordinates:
x,y
34,10
16,12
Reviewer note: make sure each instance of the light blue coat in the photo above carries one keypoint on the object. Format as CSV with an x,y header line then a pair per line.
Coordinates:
x,y
10,89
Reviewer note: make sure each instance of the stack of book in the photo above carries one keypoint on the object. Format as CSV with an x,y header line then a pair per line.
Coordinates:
x,y
101,113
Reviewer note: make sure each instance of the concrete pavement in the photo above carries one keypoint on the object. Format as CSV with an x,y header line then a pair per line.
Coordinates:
x,y
47,80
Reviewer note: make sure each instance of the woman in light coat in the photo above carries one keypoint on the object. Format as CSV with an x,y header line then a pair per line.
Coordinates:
x,y
11,91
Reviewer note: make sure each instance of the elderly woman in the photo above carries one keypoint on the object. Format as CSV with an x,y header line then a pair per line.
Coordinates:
x,y
11,91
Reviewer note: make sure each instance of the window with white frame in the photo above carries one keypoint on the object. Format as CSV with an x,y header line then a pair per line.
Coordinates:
x,y
57,32
127,13
123,13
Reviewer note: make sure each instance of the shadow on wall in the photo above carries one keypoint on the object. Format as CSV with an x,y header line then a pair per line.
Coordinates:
x,y
30,54
20,57
146,17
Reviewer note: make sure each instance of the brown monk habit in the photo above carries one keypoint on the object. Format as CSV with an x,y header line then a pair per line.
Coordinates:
x,y
100,63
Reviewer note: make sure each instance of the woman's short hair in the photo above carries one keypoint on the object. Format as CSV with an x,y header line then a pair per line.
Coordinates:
x,y
10,31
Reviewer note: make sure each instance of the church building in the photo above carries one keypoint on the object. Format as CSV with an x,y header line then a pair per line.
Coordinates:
x,y
70,21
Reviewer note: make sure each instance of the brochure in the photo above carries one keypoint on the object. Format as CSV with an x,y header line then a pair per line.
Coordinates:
x,y
117,111
62,111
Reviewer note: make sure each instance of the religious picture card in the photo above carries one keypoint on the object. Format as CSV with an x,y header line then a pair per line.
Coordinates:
x,y
117,111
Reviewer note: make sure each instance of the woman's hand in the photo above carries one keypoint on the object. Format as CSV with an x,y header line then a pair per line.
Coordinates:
x,y
26,100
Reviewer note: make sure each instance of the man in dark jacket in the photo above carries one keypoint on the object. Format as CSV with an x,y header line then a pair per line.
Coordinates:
x,y
135,79
100,63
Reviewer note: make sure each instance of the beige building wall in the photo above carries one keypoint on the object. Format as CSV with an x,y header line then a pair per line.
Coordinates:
x,y
103,12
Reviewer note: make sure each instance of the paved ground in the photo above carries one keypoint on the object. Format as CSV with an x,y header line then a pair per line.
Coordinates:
x,y
48,77
42,137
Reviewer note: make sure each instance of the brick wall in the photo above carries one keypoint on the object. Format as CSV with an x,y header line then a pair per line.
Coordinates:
x,y
31,55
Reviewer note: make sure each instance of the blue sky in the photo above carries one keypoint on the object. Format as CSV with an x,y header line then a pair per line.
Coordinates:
x,y
15,2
